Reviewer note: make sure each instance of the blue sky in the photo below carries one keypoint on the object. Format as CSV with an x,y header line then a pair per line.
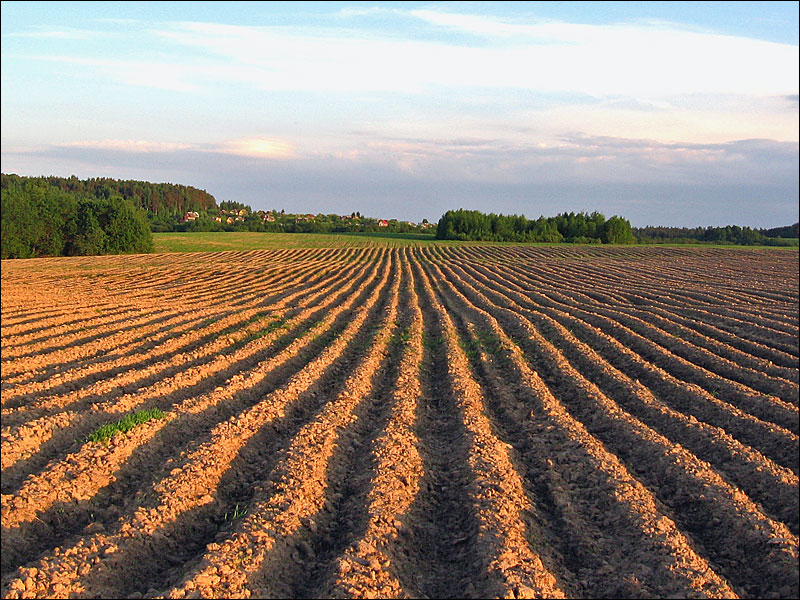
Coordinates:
x,y
681,113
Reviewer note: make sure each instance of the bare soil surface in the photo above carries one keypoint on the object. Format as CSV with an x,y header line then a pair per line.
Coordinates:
x,y
439,421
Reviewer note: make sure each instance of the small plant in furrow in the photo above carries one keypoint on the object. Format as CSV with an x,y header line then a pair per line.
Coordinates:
x,y
433,342
470,346
271,327
402,336
229,518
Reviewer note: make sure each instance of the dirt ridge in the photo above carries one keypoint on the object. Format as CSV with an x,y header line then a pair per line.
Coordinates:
x,y
448,420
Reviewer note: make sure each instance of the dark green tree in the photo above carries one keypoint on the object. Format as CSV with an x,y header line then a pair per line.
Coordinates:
x,y
617,231
89,235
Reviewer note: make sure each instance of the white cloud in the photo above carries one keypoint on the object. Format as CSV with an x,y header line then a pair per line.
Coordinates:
x,y
714,118
365,11
635,60
270,148
267,148
136,146
638,75
524,85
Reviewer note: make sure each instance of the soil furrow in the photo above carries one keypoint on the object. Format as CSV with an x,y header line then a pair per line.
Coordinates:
x,y
716,357
63,324
78,480
177,517
279,544
732,379
764,334
121,346
775,442
597,517
731,529
775,488
639,286
86,346
500,543
47,437
724,344
140,369
734,310
450,420
374,565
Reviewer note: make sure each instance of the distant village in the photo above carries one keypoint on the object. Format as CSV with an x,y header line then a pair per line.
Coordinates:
x,y
243,218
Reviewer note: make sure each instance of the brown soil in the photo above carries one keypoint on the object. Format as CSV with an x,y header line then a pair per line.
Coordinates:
x,y
466,421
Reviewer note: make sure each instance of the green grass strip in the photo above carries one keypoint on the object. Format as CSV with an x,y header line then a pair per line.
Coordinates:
x,y
125,424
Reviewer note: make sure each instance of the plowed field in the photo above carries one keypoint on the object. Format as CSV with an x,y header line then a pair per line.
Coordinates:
x,y
459,421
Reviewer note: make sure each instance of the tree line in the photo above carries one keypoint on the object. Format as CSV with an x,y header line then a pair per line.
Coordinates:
x,y
730,234
594,228
157,198
578,228
53,216
42,219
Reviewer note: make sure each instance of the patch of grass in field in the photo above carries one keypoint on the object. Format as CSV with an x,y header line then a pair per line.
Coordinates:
x,y
482,340
125,424
269,328
250,240
470,347
247,240
432,342
275,325
410,237
401,336
219,241
489,340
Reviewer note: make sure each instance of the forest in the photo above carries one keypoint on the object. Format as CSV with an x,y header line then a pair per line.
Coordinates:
x,y
730,234
156,198
578,228
594,228
42,218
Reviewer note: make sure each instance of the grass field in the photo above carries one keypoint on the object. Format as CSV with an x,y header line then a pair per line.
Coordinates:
x,y
247,240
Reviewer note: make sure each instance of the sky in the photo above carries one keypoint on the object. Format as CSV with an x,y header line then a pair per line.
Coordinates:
x,y
667,113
